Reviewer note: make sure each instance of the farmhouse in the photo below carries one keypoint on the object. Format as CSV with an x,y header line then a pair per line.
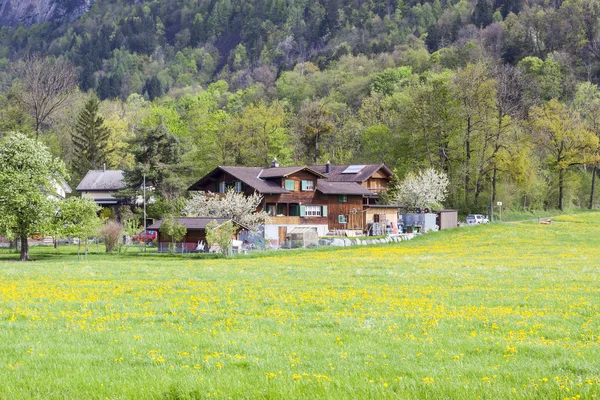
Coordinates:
x,y
324,197
195,237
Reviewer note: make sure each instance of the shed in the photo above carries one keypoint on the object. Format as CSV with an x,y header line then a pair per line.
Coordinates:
x,y
447,219
302,237
380,213
195,235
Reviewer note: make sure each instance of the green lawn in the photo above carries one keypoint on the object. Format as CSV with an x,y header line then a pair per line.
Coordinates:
x,y
497,311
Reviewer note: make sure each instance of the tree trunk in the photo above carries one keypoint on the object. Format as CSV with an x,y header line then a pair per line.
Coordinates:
x,y
593,187
494,179
467,161
25,249
561,179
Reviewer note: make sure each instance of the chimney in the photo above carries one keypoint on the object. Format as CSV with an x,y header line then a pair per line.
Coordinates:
x,y
328,167
275,163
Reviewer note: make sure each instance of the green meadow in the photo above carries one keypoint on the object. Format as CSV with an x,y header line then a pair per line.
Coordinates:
x,y
502,311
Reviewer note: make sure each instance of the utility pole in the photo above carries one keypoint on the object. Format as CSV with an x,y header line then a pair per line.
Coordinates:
x,y
144,200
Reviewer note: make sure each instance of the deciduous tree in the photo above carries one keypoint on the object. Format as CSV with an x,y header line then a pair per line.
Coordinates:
x,y
563,139
45,85
29,176
237,206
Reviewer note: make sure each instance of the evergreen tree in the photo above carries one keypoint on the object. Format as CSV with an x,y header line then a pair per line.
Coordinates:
x,y
90,138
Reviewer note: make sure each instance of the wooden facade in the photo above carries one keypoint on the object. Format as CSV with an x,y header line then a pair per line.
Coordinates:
x,y
304,195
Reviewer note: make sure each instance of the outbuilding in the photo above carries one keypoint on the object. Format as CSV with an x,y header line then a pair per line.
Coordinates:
x,y
447,219
195,237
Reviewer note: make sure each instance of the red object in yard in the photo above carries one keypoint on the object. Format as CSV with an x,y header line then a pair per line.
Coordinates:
x,y
145,236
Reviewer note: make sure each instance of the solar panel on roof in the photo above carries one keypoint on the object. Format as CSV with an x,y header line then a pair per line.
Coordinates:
x,y
353,169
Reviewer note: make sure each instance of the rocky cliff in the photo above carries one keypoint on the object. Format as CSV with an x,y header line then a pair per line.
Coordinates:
x,y
15,12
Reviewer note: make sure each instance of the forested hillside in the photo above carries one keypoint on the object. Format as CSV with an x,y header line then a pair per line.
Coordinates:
x,y
501,95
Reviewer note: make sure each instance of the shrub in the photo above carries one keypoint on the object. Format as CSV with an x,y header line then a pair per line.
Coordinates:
x,y
111,233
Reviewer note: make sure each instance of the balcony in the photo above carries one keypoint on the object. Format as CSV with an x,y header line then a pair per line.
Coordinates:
x,y
283,220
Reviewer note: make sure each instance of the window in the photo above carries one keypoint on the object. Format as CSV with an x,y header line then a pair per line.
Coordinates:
x,y
294,210
222,187
342,198
280,209
313,211
238,186
271,209
342,219
289,184
308,186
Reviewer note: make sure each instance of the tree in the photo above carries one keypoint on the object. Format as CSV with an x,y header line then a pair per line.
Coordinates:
x,y
427,188
90,138
242,209
45,86
78,217
262,130
587,102
315,123
221,235
563,140
28,179
157,154
174,230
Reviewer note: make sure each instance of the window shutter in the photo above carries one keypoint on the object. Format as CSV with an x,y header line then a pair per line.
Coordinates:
x,y
216,187
324,211
304,186
289,184
303,211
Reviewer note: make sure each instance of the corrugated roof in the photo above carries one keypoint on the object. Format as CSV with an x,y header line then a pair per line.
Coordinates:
x,y
336,172
347,188
248,175
194,223
101,180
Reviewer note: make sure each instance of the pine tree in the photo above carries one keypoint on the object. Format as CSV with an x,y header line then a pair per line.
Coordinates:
x,y
90,138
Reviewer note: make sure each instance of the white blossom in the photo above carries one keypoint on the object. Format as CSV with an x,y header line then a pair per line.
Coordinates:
x,y
427,188
237,206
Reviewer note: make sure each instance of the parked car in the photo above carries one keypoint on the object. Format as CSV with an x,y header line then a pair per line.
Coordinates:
x,y
474,219
146,236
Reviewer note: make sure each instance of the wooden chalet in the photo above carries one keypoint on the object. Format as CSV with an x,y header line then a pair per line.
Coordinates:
x,y
327,197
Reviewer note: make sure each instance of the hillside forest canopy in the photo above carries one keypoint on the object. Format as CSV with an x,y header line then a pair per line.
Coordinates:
x,y
500,95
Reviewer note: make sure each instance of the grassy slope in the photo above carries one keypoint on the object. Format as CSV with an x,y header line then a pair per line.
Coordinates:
x,y
498,311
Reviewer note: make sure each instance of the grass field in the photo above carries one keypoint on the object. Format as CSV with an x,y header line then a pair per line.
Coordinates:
x,y
504,311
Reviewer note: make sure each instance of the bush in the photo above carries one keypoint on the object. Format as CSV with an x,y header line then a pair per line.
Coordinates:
x,y
111,233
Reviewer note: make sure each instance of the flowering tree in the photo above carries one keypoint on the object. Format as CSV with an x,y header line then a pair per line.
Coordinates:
x,y
28,177
231,204
423,189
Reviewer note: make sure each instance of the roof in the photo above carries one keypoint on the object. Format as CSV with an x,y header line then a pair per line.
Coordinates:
x,y
248,175
281,172
102,180
336,172
348,188
195,223
258,178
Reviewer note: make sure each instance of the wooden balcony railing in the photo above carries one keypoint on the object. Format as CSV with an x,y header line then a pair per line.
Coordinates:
x,y
283,220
